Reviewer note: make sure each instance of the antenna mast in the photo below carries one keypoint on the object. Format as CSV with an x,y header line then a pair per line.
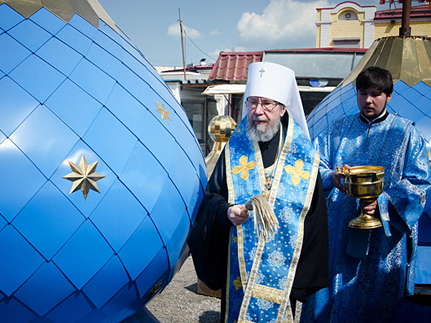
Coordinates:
x,y
405,23
182,43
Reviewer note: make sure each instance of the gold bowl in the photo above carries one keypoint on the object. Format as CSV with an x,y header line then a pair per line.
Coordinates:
x,y
364,182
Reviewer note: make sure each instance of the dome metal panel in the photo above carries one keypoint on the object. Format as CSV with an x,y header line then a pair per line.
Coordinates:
x,y
44,229
88,93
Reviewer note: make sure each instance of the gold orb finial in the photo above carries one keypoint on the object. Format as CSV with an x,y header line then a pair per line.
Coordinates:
x,y
221,128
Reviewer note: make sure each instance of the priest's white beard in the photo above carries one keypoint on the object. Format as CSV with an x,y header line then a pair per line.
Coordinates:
x,y
261,132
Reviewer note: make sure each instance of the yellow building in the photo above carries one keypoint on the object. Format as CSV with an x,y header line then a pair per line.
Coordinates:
x,y
388,22
350,25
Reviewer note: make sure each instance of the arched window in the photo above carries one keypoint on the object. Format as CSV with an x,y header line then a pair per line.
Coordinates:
x,y
348,15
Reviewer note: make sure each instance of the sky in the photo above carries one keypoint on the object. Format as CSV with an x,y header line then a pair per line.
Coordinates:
x,y
218,25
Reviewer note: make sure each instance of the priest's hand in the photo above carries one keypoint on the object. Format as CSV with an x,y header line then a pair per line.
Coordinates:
x,y
368,206
336,177
237,214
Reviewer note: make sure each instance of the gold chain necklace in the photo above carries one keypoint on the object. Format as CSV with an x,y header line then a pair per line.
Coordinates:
x,y
269,177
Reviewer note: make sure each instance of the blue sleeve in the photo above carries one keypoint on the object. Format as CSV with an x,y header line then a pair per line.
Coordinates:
x,y
403,202
323,145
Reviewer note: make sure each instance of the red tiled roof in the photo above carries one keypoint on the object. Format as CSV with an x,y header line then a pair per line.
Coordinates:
x,y
399,1
233,66
417,12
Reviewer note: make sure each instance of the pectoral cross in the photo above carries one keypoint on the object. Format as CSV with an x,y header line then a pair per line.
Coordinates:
x,y
268,185
261,72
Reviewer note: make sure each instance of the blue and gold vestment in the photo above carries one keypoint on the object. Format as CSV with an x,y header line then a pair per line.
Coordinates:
x,y
367,290
261,273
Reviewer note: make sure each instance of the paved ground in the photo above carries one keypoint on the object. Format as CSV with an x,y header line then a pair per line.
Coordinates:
x,y
179,301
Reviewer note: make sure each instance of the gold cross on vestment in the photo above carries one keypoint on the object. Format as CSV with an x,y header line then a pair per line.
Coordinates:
x,y
244,167
237,283
261,72
297,172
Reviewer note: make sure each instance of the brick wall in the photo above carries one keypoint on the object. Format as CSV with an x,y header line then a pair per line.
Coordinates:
x,y
347,29
418,28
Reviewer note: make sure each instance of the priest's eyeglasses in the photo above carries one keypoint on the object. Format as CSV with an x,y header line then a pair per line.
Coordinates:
x,y
267,105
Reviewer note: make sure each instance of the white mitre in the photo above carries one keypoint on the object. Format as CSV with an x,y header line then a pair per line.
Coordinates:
x,y
278,83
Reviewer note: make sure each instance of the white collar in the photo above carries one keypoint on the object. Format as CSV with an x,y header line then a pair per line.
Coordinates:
x,y
375,119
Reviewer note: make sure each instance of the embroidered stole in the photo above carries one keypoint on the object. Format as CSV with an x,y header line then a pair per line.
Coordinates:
x,y
261,273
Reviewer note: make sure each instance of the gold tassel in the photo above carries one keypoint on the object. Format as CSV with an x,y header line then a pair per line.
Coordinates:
x,y
265,221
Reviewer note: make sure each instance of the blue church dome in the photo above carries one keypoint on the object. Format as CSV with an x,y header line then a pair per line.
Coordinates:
x,y
101,173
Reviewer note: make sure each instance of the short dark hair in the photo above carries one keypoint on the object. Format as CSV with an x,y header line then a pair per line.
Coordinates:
x,y
375,77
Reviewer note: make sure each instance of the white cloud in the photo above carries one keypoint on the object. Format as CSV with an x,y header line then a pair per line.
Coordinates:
x,y
281,20
174,31
216,52
215,33
238,49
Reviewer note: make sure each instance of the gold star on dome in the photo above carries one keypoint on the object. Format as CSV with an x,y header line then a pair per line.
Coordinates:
x,y
162,110
84,177
155,289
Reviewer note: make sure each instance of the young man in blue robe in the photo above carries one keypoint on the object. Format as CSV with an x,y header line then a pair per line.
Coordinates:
x,y
370,270
269,154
